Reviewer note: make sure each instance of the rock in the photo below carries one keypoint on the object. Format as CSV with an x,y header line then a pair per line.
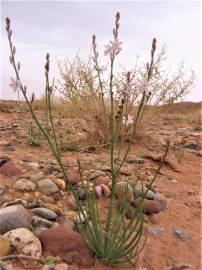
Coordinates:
x,y
34,165
4,246
192,145
44,213
4,143
98,190
155,230
153,218
8,148
72,203
180,234
60,183
47,186
38,222
68,245
25,242
106,190
139,191
150,206
121,189
61,266
81,193
13,217
9,169
57,197
180,266
53,207
72,176
96,174
3,160
24,185
102,180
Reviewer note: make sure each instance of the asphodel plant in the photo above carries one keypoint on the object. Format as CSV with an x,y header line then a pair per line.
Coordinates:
x,y
117,241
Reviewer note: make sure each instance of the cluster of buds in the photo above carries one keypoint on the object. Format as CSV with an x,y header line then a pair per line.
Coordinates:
x,y
13,48
100,70
114,47
47,64
154,41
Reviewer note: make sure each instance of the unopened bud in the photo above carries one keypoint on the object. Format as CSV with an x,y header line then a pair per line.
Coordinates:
x,y
14,50
147,66
154,44
32,100
18,66
10,34
25,89
8,22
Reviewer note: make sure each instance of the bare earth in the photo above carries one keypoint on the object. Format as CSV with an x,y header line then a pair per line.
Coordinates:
x,y
179,182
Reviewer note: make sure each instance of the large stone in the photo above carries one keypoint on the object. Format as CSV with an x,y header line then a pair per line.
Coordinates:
x,y
72,176
68,245
25,242
9,169
44,213
47,186
4,246
12,217
24,185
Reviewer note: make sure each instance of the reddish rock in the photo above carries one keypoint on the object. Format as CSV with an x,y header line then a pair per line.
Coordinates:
x,y
150,207
73,176
68,245
153,218
102,180
4,143
9,169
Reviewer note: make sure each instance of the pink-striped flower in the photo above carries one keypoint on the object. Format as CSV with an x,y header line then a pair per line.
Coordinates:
x,y
113,48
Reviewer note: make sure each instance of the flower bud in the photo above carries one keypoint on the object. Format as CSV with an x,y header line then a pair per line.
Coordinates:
x,y
10,34
32,100
18,66
14,50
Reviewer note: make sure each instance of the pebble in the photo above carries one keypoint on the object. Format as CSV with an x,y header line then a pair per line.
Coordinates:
x,y
155,230
47,186
24,185
72,203
9,169
180,234
4,143
38,222
3,160
180,266
4,246
44,213
81,193
12,217
8,148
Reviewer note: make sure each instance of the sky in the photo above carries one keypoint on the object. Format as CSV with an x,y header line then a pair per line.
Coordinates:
x,y
65,28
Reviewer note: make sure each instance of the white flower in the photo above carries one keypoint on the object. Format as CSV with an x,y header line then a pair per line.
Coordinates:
x,y
128,120
114,47
14,84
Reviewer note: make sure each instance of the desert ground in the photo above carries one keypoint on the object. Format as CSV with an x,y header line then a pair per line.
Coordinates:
x,y
173,231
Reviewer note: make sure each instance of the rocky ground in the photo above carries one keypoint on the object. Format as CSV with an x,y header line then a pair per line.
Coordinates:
x,y
37,214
